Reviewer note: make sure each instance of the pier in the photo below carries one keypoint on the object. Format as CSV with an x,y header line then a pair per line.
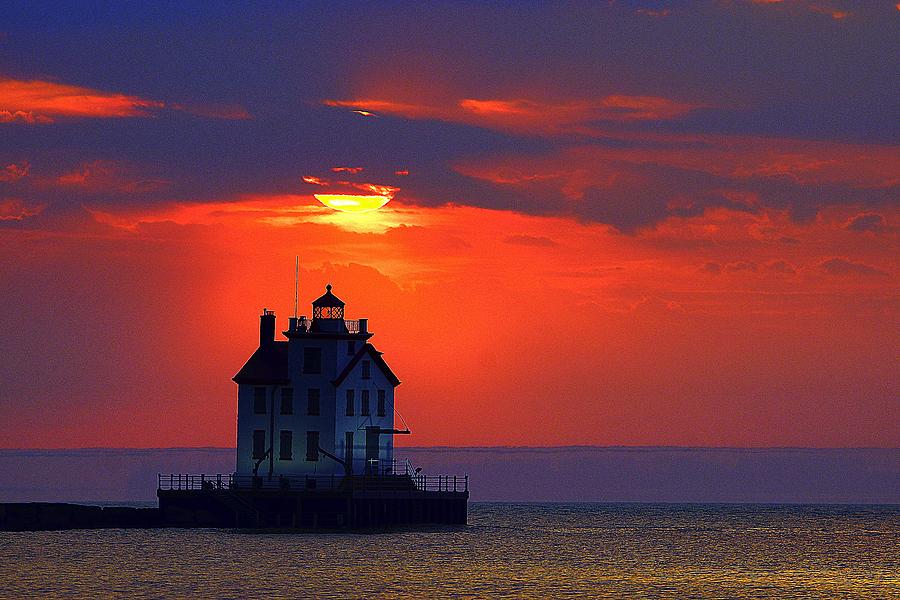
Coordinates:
x,y
312,502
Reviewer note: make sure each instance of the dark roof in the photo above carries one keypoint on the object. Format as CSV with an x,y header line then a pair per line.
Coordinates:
x,y
328,299
268,365
379,362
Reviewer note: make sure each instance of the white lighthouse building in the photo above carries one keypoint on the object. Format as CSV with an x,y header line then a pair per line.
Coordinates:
x,y
320,403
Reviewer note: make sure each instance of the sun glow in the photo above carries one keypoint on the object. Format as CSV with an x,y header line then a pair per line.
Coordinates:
x,y
352,202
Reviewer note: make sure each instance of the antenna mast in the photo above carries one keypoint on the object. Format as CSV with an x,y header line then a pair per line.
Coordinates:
x,y
296,283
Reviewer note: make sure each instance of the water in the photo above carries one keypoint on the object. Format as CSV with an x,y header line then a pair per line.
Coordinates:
x,y
508,550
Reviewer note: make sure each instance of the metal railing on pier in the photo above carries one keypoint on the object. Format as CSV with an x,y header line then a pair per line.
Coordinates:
x,y
402,481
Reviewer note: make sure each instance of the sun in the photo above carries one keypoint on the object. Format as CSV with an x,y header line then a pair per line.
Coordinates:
x,y
352,202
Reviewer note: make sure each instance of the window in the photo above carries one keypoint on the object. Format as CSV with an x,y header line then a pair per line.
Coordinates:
x,y
367,370
312,401
259,401
287,446
351,348
259,443
287,401
350,403
312,360
312,445
328,312
364,404
380,403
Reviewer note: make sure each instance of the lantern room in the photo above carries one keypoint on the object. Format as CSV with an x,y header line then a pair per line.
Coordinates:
x,y
328,306
328,314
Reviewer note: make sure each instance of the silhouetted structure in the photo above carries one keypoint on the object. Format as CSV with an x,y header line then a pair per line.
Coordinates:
x,y
315,439
320,403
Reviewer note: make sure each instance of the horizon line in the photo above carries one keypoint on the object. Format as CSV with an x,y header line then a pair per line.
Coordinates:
x,y
479,448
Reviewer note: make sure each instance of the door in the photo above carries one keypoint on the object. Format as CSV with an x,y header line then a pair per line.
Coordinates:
x,y
372,435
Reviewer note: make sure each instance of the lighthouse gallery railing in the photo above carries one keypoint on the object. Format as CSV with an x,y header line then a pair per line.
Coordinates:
x,y
352,325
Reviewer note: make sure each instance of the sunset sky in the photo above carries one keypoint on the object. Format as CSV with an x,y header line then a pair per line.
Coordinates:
x,y
635,223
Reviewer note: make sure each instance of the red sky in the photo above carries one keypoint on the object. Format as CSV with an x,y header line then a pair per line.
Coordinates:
x,y
641,238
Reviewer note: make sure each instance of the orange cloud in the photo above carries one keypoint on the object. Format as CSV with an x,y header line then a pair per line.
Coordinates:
x,y
341,188
15,171
532,115
40,102
47,100
105,175
837,15
15,209
22,116
387,191
351,170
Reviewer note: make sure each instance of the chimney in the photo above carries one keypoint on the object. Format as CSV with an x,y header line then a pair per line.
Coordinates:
x,y
267,328
364,326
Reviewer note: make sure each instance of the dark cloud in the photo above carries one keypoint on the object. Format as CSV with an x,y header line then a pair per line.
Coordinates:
x,y
644,194
741,266
713,268
842,266
866,222
780,266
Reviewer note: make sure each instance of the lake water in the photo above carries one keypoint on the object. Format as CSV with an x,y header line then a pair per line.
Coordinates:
x,y
507,550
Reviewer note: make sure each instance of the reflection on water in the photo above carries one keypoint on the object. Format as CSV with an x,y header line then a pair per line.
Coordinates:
x,y
538,550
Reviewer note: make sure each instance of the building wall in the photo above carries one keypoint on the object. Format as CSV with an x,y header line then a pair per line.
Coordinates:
x,y
302,422
332,421
358,422
248,422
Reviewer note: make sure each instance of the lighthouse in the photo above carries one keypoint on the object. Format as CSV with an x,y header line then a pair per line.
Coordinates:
x,y
315,439
320,402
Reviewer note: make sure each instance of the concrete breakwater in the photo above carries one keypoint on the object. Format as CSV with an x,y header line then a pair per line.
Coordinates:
x,y
46,516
